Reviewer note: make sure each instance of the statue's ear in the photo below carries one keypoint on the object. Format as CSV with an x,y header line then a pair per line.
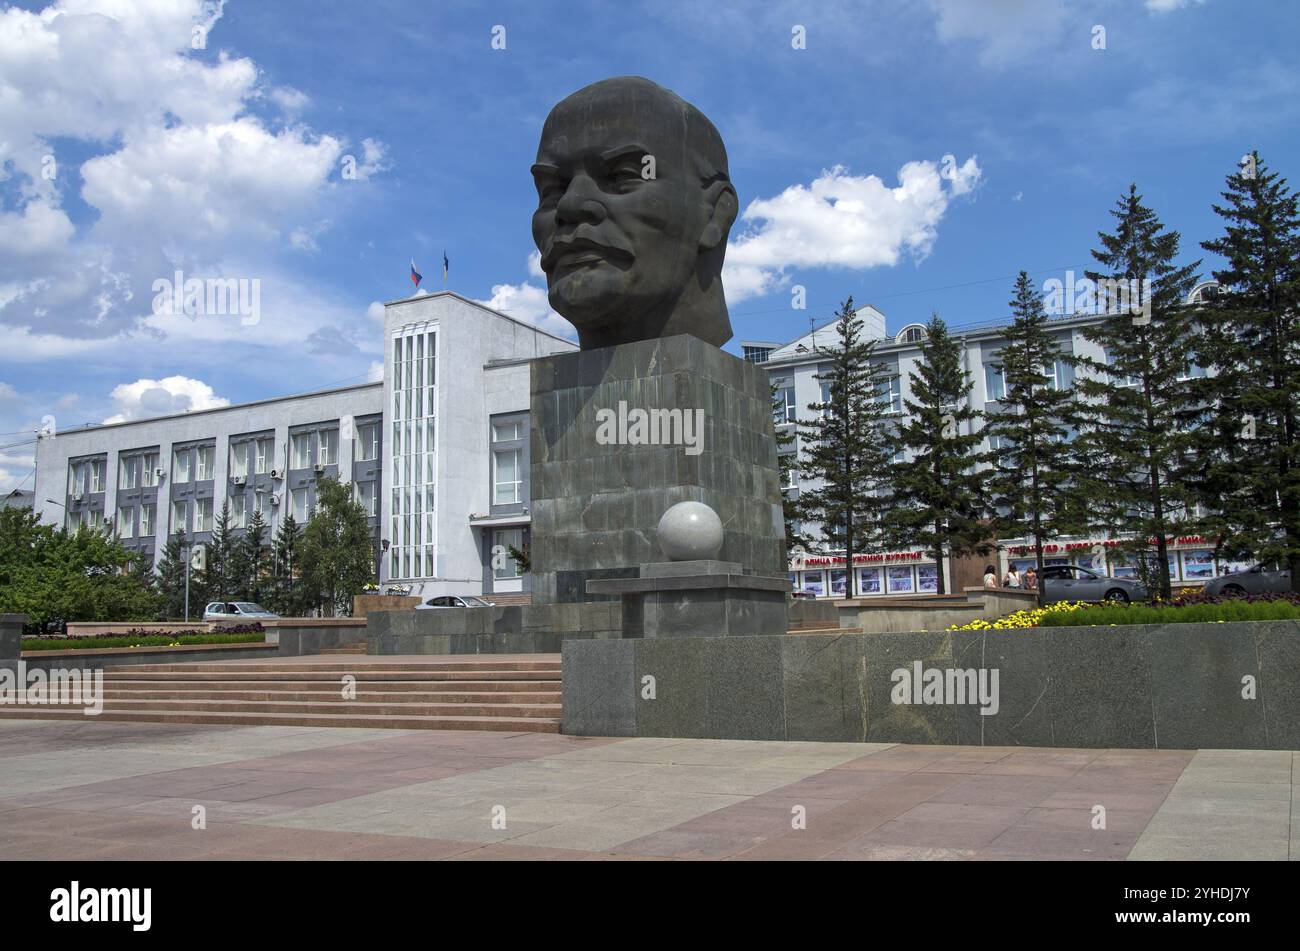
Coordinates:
x,y
722,207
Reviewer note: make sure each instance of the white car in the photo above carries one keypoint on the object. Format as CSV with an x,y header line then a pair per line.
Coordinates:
x,y
240,612
454,601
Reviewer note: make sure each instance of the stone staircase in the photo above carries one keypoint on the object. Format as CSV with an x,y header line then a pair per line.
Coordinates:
x,y
483,693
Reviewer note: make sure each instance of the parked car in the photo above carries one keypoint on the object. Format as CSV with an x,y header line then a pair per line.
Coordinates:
x,y
1072,583
455,601
239,612
1262,579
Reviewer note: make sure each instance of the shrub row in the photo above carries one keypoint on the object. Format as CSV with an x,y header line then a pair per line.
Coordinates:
x,y
101,641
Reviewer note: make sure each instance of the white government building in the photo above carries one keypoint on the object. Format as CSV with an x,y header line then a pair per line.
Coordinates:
x,y
438,454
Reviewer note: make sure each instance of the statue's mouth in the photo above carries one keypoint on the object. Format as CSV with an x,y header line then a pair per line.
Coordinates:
x,y
571,254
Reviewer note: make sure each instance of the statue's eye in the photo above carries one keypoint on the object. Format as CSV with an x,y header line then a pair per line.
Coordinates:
x,y
550,190
626,170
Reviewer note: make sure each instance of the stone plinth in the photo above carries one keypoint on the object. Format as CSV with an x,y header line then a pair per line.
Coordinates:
x,y
699,599
596,503
11,638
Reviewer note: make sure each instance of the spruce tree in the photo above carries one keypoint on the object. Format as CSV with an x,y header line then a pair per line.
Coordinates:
x,y
337,556
845,446
1250,449
936,499
215,579
1136,411
170,581
248,561
1030,477
286,592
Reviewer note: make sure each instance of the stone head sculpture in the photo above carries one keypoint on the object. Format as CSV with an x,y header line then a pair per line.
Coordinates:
x,y
634,205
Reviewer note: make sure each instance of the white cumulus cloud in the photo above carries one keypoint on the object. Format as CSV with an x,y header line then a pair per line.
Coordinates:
x,y
846,221
174,394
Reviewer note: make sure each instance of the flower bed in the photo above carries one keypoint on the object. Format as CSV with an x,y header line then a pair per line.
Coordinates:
x,y
1187,610
237,634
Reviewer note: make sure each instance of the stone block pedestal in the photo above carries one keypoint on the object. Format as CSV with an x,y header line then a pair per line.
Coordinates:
x,y
699,599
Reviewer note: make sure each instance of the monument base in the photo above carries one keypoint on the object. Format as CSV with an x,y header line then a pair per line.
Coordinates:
x,y
699,599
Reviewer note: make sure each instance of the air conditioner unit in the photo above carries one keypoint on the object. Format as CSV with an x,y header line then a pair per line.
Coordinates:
x,y
275,500
160,473
241,480
319,467
78,497
277,474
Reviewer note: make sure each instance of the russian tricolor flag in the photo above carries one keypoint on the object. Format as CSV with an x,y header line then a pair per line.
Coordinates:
x,y
416,276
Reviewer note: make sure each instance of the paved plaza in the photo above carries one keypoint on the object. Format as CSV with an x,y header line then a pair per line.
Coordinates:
x,y
104,790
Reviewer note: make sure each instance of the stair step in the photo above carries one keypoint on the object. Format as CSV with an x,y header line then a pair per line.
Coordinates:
x,y
337,708
334,686
153,692
507,724
421,667
368,674
349,649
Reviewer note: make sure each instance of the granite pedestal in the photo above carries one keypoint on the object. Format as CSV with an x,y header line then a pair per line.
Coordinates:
x,y
596,502
699,599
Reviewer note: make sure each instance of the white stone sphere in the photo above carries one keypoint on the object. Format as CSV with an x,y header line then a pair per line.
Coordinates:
x,y
690,531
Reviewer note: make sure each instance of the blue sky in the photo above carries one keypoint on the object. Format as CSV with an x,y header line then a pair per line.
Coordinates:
x,y
228,161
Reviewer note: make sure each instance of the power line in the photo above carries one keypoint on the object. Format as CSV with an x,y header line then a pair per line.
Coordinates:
x,y
923,290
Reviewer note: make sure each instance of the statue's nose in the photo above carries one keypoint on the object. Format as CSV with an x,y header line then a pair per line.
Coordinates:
x,y
579,204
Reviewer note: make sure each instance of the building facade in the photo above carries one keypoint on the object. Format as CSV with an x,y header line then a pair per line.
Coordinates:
x,y
794,368
436,453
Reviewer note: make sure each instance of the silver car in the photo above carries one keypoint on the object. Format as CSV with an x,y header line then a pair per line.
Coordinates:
x,y
1072,583
237,612
1261,579
454,601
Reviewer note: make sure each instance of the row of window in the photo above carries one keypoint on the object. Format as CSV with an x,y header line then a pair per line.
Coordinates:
x,y
247,457
413,453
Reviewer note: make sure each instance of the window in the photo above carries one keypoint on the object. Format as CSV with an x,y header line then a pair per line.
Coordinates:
x,y
1060,375
366,447
891,394
265,449
789,477
327,447
238,511
508,476
97,475
147,515
181,466
298,499
300,451
77,478
207,463
239,459
367,498
507,432
785,405
503,539
262,505
995,384
128,473
149,470
202,515
126,523
179,515
757,354
413,453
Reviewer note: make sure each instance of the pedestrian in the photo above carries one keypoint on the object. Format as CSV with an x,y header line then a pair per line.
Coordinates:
x,y
1012,580
990,577
1031,579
